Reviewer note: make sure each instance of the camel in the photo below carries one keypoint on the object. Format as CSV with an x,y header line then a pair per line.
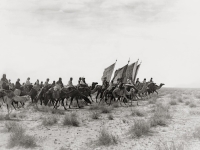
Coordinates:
x,y
152,87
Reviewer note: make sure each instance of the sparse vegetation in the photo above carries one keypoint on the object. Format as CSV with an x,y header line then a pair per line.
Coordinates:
x,y
115,104
153,100
196,133
110,116
137,112
106,109
18,136
105,138
140,127
187,102
2,117
170,146
161,116
94,107
95,115
180,100
71,120
192,105
172,102
49,121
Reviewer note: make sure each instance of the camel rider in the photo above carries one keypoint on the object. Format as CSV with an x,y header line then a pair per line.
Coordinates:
x,y
79,81
10,84
41,84
104,84
111,86
83,83
137,82
46,82
59,85
18,85
36,86
70,84
53,84
118,88
151,80
4,82
28,82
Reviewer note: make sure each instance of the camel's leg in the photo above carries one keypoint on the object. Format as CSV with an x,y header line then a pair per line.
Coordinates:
x,y
63,104
91,98
77,103
97,96
70,102
156,92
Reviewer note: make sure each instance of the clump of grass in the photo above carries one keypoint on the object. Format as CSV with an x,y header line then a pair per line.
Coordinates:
x,y
180,100
2,117
153,100
19,138
105,138
137,112
195,112
197,96
42,109
160,116
106,109
173,96
12,126
94,107
14,115
192,105
172,102
21,115
50,121
170,146
196,133
95,115
187,102
71,120
140,127
57,111
110,117
115,104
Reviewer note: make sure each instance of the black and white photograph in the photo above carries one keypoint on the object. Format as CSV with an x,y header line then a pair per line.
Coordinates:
x,y
99,75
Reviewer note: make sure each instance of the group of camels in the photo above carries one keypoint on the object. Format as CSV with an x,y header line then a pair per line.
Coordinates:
x,y
47,95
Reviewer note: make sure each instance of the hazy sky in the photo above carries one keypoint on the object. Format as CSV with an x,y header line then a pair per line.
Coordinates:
x,y
73,38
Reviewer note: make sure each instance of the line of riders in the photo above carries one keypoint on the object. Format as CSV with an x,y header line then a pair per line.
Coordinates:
x,y
57,90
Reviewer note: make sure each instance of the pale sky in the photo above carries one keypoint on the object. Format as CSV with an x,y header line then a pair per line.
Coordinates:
x,y
72,38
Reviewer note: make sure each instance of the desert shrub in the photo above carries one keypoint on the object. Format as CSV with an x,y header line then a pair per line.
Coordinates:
x,y
12,126
95,115
187,102
180,100
170,146
21,115
106,109
185,97
50,121
153,100
57,111
105,138
195,112
115,104
94,107
197,96
137,112
19,138
140,127
71,120
196,133
160,116
172,102
42,109
110,116
2,117
14,115
192,105
173,96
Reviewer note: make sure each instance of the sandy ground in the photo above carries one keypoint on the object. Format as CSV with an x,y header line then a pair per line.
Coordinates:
x,y
180,128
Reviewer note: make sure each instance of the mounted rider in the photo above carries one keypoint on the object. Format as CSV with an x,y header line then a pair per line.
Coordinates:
x,y
83,82
70,84
4,82
111,86
59,85
36,86
46,82
18,86
105,83
28,84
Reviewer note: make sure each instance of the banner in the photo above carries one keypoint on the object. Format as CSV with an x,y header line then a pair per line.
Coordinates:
x,y
138,67
108,72
134,72
129,72
120,73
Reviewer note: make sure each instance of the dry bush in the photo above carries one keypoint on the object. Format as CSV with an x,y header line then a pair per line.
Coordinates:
x,y
115,104
180,99
140,127
63,148
2,117
94,107
195,112
12,126
42,109
172,102
197,96
170,146
21,115
192,105
95,115
19,138
161,116
110,117
185,97
13,115
57,111
137,112
71,120
106,109
196,133
50,121
173,96
105,138
153,100
187,102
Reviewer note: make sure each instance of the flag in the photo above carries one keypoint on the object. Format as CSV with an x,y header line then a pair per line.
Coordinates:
x,y
138,66
108,72
129,72
120,73
134,71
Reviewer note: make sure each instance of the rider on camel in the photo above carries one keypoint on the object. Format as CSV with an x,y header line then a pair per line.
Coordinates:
x,y
105,83
4,82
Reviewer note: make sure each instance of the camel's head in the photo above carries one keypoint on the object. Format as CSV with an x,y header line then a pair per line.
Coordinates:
x,y
161,84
